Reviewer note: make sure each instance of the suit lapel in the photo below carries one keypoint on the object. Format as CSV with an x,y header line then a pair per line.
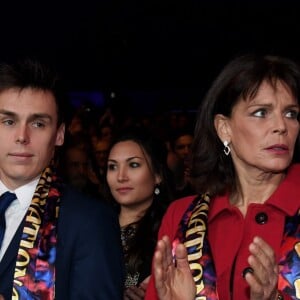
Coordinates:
x,y
12,250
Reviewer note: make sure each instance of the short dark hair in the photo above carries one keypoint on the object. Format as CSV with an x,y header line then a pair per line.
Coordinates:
x,y
241,78
30,73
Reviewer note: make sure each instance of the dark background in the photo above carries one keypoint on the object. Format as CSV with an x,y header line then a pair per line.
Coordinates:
x,y
147,52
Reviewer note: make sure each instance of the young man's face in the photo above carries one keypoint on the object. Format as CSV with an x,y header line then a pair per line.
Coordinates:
x,y
28,134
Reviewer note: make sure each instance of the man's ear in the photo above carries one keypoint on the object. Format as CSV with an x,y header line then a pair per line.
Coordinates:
x,y
222,127
60,136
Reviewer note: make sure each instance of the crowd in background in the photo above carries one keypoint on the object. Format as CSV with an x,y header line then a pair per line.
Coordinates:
x,y
138,163
83,158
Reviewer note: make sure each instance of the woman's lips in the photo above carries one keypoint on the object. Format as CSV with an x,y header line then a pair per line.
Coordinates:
x,y
124,190
278,148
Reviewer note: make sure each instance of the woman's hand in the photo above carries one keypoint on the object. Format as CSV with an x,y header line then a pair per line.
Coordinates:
x,y
172,282
263,281
134,292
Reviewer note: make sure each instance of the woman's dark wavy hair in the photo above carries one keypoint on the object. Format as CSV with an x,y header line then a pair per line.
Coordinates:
x,y
143,245
211,170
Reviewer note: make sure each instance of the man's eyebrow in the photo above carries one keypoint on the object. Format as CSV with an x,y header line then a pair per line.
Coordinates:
x,y
41,116
7,112
31,117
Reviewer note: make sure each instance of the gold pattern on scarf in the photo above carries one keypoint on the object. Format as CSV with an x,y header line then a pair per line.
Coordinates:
x,y
194,236
34,217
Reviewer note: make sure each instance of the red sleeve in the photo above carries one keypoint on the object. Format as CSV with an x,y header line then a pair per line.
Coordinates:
x,y
169,227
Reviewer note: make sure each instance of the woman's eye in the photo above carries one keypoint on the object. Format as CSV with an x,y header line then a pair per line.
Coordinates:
x,y
111,167
292,114
134,165
260,113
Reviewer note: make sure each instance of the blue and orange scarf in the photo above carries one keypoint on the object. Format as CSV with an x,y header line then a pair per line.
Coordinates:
x,y
34,276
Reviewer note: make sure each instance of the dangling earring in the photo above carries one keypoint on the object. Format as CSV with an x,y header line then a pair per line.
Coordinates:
x,y
156,191
226,148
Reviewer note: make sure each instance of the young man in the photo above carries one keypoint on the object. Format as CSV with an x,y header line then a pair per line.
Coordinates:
x,y
57,243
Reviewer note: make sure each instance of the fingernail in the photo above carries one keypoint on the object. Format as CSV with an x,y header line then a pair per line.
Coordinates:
x,y
247,270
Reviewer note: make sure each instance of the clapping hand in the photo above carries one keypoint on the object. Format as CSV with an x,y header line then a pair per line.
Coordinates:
x,y
263,280
173,280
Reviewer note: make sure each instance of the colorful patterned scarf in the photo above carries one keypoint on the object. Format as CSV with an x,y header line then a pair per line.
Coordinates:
x,y
289,270
192,232
35,266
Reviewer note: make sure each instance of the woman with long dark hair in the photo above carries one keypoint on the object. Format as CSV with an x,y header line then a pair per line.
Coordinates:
x,y
138,182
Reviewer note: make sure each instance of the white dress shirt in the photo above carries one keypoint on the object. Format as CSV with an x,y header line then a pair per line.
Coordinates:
x,y
16,211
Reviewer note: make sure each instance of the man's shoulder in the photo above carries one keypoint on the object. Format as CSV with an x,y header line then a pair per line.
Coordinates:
x,y
70,194
76,202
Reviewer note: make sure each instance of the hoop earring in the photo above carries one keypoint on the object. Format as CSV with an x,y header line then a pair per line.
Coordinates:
x,y
226,148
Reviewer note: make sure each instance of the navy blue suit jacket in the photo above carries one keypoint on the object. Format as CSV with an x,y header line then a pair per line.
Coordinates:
x,y
89,261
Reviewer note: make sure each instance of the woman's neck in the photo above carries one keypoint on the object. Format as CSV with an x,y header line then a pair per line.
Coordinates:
x,y
255,190
129,214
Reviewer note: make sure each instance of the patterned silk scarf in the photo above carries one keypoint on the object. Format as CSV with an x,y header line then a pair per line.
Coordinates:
x,y
192,232
289,270
35,266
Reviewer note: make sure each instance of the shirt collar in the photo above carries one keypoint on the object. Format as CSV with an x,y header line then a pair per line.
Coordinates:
x,y
24,193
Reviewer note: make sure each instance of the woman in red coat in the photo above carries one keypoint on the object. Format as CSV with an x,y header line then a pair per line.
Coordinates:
x,y
240,237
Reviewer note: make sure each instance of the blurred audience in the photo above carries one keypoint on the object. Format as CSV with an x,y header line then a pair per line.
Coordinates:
x,y
100,153
180,142
175,127
76,170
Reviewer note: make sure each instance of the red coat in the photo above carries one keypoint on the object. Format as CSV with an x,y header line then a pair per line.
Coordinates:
x,y
229,236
